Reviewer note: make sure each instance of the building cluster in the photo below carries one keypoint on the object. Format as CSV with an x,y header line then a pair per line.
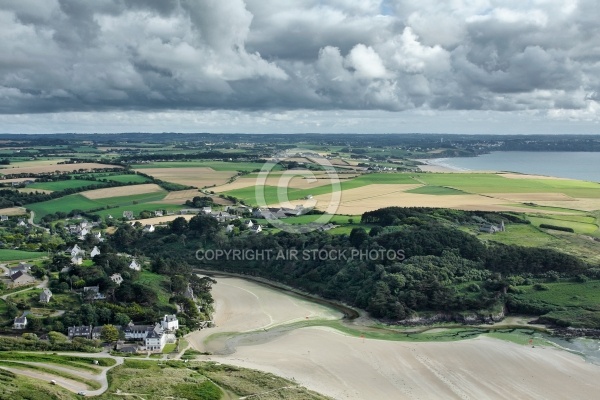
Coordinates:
x,y
20,275
151,338
83,228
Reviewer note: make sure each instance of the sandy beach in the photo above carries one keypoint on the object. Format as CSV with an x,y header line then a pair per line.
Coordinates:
x,y
346,367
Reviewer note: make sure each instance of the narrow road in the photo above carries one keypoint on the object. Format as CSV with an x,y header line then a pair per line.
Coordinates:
x,y
70,384
42,285
31,219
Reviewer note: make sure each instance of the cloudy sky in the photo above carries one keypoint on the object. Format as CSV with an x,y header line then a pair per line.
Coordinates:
x,y
472,66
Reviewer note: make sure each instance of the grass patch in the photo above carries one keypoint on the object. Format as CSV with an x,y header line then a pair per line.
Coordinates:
x,y
19,255
495,183
580,224
63,204
435,191
169,348
130,178
62,185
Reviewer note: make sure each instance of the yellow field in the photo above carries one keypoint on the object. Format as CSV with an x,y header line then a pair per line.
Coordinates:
x,y
526,176
42,169
289,179
198,177
531,197
12,211
35,163
372,197
583,204
121,191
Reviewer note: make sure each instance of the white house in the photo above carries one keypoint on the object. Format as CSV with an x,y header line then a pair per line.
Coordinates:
x,y
22,223
116,278
45,296
149,228
206,210
75,251
155,339
95,252
20,323
256,228
135,266
170,323
128,214
229,228
3,218
77,260
158,213
248,223
136,332
83,233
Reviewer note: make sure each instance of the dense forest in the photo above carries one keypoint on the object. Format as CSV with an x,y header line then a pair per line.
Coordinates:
x,y
442,269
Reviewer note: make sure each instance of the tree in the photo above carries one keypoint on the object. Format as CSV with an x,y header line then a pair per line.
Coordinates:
x,y
109,333
56,337
121,319
179,225
35,324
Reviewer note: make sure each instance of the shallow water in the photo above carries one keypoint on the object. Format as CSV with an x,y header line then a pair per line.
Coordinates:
x,y
575,165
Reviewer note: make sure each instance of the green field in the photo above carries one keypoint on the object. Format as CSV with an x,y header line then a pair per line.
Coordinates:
x,y
62,185
435,190
567,294
583,225
130,178
273,194
79,202
18,255
494,183
64,204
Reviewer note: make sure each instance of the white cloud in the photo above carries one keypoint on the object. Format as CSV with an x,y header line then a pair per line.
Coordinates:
x,y
366,62
277,56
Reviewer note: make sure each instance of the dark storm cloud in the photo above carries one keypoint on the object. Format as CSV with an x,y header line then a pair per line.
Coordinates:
x,y
73,55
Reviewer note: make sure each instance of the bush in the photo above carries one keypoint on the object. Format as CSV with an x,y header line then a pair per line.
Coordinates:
x,y
557,228
541,286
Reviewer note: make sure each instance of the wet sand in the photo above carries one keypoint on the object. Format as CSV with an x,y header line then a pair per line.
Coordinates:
x,y
346,367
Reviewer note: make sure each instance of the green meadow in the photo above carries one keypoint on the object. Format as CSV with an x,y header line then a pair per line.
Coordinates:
x,y
19,255
78,202
495,183
130,178
62,185
580,224
273,194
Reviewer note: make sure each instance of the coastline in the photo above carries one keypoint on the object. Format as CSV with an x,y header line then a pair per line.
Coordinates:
x,y
438,165
347,367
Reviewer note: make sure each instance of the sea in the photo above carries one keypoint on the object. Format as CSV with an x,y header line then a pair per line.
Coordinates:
x,y
574,165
